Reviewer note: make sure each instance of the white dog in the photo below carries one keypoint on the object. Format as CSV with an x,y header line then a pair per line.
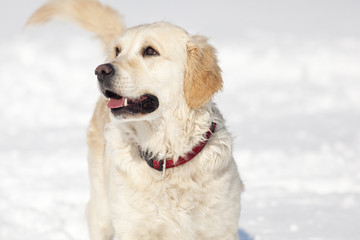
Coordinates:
x,y
160,157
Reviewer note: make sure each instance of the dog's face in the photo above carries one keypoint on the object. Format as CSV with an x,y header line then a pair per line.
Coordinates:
x,y
154,68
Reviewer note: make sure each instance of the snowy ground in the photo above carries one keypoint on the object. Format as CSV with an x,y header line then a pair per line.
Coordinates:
x,y
293,106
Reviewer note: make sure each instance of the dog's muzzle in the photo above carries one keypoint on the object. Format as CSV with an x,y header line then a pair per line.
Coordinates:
x,y
119,104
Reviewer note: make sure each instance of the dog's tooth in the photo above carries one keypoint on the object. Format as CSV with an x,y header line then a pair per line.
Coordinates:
x,y
125,103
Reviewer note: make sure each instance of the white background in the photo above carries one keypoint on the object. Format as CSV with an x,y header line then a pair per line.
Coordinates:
x,y
291,100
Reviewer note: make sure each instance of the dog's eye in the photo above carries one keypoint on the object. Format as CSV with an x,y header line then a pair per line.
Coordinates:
x,y
117,51
149,51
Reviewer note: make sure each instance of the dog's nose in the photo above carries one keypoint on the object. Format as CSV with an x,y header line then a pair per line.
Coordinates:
x,y
104,72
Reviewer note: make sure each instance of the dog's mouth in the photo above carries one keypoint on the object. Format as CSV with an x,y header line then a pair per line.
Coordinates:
x,y
123,105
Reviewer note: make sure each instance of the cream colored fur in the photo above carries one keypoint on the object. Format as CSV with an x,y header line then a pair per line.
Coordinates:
x,y
198,200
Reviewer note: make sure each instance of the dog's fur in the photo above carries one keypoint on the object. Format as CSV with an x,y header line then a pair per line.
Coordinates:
x,y
197,200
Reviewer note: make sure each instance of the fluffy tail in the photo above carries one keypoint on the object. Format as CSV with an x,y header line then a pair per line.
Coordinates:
x,y
91,15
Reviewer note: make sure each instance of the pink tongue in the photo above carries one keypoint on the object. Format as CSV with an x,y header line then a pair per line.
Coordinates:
x,y
116,103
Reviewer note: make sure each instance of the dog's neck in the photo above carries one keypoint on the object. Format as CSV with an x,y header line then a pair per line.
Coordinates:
x,y
173,135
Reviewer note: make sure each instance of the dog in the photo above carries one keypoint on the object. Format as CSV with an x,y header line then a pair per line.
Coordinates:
x,y
160,157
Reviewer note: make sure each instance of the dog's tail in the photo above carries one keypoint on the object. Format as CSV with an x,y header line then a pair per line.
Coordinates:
x,y
91,15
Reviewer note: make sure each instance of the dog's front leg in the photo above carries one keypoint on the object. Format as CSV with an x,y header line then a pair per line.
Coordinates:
x,y
99,222
98,214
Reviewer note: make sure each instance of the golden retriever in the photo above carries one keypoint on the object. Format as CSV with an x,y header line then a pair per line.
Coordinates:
x,y
160,157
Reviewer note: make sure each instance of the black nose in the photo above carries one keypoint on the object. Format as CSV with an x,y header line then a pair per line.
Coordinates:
x,y
104,72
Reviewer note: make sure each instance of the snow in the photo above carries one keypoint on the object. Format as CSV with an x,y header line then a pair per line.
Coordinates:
x,y
292,105
297,136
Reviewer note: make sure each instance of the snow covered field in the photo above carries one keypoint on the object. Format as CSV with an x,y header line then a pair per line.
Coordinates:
x,y
292,104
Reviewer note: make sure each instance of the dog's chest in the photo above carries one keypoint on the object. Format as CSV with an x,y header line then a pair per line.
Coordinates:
x,y
135,185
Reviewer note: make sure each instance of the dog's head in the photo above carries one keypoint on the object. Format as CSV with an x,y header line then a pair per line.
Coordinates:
x,y
154,68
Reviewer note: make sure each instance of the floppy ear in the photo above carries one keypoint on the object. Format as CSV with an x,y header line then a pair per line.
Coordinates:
x,y
203,75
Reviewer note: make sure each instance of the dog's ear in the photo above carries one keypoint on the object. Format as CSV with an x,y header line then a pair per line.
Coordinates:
x,y
203,75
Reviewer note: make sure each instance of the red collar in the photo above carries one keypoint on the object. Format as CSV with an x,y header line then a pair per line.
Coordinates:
x,y
170,163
